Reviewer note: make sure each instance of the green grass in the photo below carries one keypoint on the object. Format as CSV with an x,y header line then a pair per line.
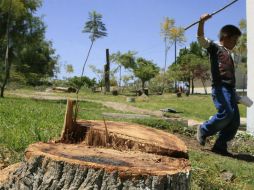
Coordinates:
x,y
198,107
207,170
25,121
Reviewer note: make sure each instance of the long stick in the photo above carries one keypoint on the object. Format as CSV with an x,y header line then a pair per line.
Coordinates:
x,y
212,14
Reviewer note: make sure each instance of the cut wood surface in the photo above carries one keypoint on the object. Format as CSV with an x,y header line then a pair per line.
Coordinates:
x,y
127,163
124,136
78,166
103,155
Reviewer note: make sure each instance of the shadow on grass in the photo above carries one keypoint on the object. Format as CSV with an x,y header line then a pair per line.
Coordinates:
x,y
243,156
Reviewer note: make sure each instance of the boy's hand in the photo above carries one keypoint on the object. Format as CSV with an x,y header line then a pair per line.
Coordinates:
x,y
205,17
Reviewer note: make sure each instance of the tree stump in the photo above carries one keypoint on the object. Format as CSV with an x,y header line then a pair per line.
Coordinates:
x,y
104,155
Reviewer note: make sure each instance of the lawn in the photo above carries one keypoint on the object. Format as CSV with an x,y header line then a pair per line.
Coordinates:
x,y
198,107
24,121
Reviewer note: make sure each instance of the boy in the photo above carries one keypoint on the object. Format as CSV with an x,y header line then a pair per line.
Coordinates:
x,y
227,119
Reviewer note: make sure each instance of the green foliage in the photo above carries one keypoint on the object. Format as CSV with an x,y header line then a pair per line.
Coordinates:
x,y
191,64
43,120
241,47
69,68
77,82
161,83
126,60
207,170
95,26
30,56
170,125
145,70
171,33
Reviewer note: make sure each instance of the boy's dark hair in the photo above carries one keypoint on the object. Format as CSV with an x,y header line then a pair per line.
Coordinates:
x,y
229,31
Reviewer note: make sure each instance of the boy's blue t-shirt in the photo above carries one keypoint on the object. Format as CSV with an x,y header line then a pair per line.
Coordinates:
x,y
222,65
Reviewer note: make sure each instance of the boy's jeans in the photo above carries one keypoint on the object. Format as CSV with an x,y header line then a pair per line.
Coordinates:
x,y
227,120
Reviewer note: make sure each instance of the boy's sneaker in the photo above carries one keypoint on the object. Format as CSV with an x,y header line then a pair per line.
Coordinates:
x,y
201,139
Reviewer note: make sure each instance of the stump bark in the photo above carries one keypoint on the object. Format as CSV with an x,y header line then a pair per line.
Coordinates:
x,y
103,155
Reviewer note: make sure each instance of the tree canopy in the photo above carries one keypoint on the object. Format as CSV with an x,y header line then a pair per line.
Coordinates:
x,y
145,70
25,54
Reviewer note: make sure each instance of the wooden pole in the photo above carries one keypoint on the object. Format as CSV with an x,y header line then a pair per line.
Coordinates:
x,y
214,13
107,72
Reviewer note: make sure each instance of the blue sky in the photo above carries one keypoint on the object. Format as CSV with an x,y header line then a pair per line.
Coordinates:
x,y
131,25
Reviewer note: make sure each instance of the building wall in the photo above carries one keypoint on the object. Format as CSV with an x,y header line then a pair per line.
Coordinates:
x,y
250,63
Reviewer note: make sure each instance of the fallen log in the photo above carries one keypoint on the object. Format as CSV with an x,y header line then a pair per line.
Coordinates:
x,y
64,89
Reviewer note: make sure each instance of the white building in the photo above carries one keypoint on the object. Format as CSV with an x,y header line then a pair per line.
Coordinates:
x,y
250,63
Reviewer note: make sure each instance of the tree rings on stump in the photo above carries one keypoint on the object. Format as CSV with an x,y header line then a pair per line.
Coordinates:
x,y
103,155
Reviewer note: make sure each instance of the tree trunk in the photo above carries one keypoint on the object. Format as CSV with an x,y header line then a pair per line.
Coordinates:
x,y
108,155
192,86
203,82
6,60
107,72
120,78
67,166
143,86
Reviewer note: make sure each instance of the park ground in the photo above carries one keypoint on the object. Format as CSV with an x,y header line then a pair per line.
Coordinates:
x,y
32,115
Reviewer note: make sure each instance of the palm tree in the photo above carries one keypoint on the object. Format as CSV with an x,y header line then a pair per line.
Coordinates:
x,y
96,28
166,27
171,35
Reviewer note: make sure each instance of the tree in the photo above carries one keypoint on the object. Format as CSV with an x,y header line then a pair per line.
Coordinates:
x,y
96,28
100,74
37,61
23,44
76,82
191,64
171,35
145,70
69,68
241,50
126,60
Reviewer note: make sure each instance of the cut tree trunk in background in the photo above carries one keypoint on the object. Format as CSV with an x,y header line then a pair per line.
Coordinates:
x,y
109,155
107,72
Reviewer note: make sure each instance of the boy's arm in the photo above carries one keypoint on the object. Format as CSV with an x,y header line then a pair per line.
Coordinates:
x,y
204,42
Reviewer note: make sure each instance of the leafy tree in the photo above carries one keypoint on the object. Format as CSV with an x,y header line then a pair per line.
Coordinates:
x,y
23,49
241,51
100,74
191,64
76,82
156,84
126,60
145,70
37,61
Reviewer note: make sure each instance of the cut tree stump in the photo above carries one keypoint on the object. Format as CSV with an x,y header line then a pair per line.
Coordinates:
x,y
103,155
